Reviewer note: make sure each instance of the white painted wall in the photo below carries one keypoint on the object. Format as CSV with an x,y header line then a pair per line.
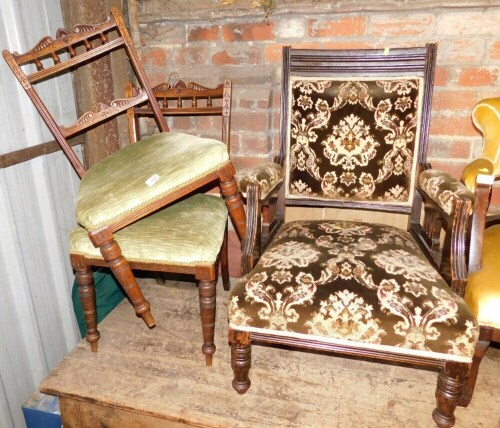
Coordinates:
x,y
37,325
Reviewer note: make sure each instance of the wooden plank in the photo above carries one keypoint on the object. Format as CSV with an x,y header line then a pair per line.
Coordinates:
x,y
155,376
28,153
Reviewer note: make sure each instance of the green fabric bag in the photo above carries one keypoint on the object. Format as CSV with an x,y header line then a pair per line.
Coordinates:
x,y
108,294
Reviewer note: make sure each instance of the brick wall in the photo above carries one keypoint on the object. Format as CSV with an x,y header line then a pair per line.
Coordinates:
x,y
214,46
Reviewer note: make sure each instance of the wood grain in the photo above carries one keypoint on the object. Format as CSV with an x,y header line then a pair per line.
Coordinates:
x,y
158,377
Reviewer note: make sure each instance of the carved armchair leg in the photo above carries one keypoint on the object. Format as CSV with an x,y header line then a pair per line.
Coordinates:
x,y
241,360
224,262
206,290
233,199
448,392
112,253
481,348
86,291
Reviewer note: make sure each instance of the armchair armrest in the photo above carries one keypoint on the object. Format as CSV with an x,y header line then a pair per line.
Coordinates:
x,y
444,190
267,176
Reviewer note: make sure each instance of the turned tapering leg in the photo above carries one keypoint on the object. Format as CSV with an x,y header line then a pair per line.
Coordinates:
x,y
112,253
450,384
224,262
233,199
86,291
241,360
206,290
481,348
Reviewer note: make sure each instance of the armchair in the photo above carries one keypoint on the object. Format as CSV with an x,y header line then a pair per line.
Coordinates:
x,y
354,135
135,182
482,292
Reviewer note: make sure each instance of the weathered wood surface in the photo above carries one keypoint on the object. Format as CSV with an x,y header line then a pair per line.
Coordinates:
x,y
139,375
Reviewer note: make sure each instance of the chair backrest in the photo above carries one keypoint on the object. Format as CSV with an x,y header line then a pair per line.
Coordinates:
x,y
480,174
68,51
181,99
355,126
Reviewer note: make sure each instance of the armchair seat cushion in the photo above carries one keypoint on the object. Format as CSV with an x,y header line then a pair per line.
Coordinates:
x,y
356,284
143,173
187,233
483,288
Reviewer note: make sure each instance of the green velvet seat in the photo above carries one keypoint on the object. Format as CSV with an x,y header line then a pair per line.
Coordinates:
x,y
177,235
167,161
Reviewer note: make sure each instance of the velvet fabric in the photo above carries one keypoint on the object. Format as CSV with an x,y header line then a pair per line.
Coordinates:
x,y
142,173
186,233
444,189
355,283
483,287
354,139
267,176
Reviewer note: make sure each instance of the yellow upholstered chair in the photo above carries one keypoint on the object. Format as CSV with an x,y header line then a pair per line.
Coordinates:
x,y
136,182
482,293
354,135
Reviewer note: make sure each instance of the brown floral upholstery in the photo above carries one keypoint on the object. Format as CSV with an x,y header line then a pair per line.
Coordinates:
x,y
337,281
354,139
444,189
267,176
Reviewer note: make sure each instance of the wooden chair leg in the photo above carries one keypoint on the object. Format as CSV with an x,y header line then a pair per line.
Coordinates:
x,y
450,384
481,348
86,291
206,290
234,203
241,360
112,253
224,262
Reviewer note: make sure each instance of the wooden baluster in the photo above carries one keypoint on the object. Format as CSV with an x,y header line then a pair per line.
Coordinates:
x,y
38,63
194,102
104,38
72,52
55,58
179,102
209,101
87,44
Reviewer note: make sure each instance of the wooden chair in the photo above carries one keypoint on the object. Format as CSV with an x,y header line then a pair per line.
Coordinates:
x,y
482,292
134,182
355,132
193,99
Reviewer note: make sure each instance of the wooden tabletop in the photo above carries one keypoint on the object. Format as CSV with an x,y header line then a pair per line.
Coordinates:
x,y
160,375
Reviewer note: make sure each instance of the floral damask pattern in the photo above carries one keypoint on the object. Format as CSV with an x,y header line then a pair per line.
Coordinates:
x,y
353,139
349,281
444,189
266,175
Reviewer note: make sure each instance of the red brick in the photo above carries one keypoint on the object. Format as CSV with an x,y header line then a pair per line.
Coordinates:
x,y
454,168
154,57
257,121
478,76
460,99
461,149
200,34
254,144
181,123
442,76
255,31
273,53
347,45
245,162
469,23
494,51
452,126
241,55
223,58
190,55
345,26
390,25
468,51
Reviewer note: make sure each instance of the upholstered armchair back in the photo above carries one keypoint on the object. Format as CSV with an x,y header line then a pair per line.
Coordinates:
x,y
355,134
